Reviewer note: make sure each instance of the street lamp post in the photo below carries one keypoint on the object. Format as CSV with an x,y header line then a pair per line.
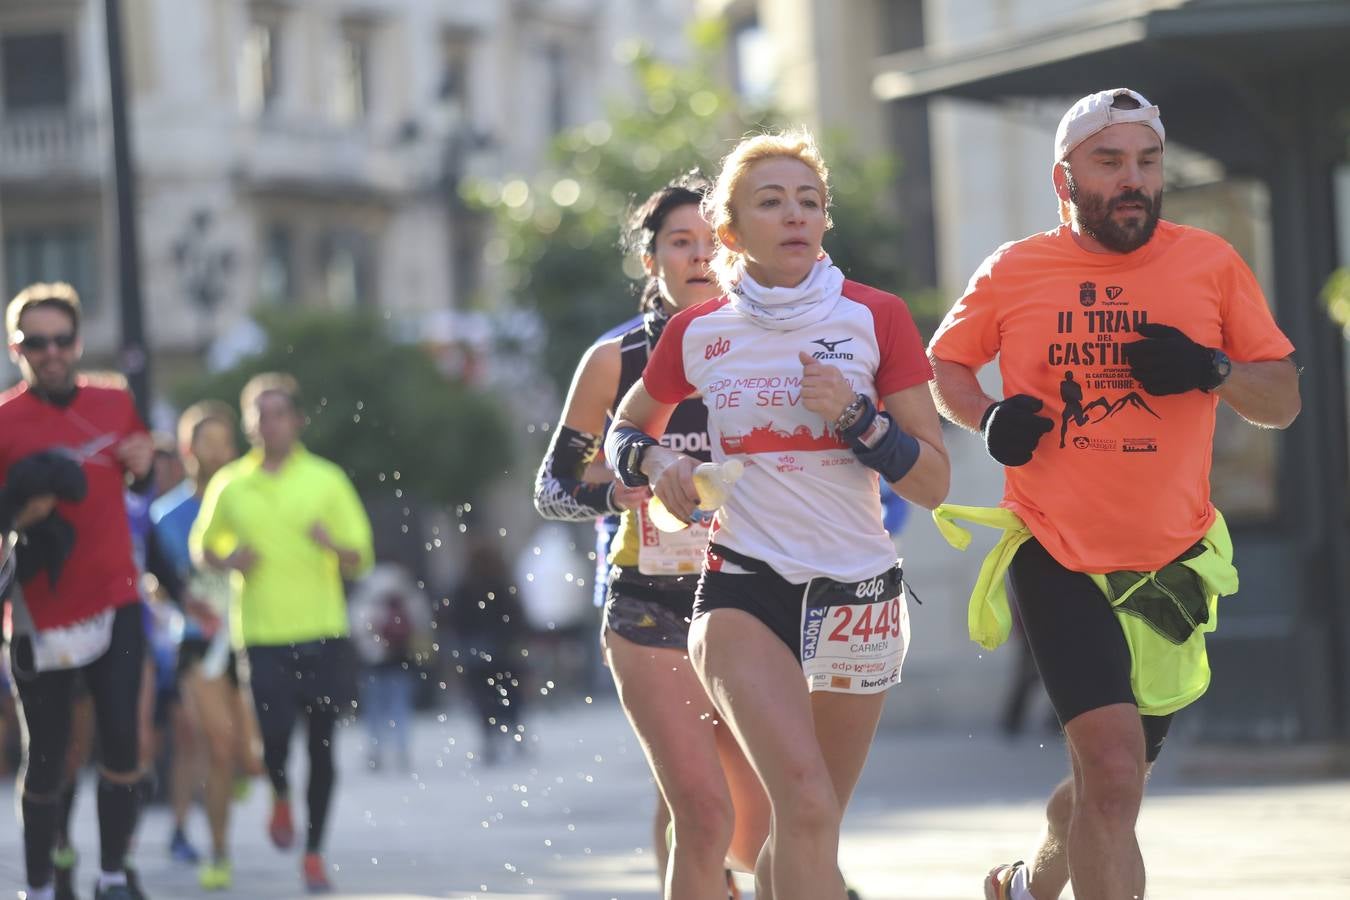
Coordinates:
x,y
135,359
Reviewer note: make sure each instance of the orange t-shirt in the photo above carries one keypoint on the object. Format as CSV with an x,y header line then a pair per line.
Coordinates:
x,y
1122,482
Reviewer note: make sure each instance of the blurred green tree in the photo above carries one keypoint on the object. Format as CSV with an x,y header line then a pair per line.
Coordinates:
x,y
380,409
1336,296
558,240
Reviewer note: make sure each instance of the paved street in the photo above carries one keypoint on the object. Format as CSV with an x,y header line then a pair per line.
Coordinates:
x,y
571,821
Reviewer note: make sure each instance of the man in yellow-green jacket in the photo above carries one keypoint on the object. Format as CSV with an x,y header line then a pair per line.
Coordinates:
x,y
290,527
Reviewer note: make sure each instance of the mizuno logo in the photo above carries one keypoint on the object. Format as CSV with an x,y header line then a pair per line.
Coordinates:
x,y
829,352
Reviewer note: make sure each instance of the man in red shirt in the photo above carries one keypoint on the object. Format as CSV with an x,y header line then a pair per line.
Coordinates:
x,y
86,616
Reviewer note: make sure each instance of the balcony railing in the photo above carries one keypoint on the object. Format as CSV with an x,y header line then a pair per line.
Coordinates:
x,y
48,143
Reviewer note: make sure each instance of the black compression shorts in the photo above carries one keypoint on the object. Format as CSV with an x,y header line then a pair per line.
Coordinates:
x,y
651,610
1076,640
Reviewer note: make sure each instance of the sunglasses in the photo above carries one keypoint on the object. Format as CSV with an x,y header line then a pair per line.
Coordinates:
x,y
36,343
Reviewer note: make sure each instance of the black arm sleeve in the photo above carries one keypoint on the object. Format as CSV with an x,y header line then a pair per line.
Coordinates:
x,y
559,492
158,565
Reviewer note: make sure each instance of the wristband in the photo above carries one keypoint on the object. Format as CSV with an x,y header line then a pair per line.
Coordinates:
x,y
880,444
625,446
894,454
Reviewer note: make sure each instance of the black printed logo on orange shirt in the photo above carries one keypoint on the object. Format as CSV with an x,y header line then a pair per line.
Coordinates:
x,y
1081,414
1087,293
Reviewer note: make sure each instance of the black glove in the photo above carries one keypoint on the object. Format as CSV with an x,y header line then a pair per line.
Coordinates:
x,y
1012,429
44,547
7,512
1165,361
46,472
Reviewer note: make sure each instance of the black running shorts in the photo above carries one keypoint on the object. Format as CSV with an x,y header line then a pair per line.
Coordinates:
x,y
651,610
764,594
292,678
1075,639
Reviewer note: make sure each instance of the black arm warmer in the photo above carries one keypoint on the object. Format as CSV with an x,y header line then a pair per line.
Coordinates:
x,y
559,492
158,564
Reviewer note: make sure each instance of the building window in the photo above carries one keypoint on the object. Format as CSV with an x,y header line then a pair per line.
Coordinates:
x,y
56,253
351,94
346,266
455,86
555,66
35,71
755,63
260,69
276,282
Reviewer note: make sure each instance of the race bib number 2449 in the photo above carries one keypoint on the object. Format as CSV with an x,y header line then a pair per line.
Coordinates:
x,y
854,636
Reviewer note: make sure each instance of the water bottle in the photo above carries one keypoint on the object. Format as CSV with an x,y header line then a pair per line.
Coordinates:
x,y
713,482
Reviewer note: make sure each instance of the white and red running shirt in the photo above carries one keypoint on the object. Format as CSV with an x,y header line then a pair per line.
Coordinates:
x,y
805,505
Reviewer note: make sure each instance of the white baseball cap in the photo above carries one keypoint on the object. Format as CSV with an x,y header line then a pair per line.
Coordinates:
x,y
1094,113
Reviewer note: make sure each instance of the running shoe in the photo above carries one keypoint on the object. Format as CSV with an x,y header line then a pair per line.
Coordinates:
x,y
134,883
113,892
280,827
63,880
215,876
998,883
316,878
181,849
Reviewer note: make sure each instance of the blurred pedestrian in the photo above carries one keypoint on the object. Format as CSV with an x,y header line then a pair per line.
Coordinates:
x,y
701,773
290,526
1116,578
83,615
221,716
391,631
487,620
799,621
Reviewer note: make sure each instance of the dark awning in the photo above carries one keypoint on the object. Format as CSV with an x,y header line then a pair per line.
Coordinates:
x,y
1208,63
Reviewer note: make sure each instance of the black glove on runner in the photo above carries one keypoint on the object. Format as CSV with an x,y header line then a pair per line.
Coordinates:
x,y
1165,361
45,472
1012,429
45,547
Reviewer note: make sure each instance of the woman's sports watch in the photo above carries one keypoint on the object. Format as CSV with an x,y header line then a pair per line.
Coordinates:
x,y
630,463
851,414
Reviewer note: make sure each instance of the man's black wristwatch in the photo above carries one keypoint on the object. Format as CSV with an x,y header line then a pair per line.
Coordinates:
x,y
1223,367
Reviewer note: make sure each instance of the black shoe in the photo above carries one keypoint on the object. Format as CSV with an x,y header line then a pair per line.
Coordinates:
x,y
133,885
63,877
116,892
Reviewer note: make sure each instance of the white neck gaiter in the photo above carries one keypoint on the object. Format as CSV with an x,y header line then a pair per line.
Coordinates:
x,y
789,308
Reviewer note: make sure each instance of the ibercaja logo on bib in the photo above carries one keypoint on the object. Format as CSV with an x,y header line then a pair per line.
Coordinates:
x,y
883,681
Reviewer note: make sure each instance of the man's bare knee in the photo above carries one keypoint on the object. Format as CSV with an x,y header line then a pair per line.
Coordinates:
x,y
1059,808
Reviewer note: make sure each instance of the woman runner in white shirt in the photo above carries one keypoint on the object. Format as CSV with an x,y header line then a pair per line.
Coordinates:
x,y
718,808
800,621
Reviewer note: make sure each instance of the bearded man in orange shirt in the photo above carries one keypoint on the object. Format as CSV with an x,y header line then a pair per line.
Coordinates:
x,y
1127,330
